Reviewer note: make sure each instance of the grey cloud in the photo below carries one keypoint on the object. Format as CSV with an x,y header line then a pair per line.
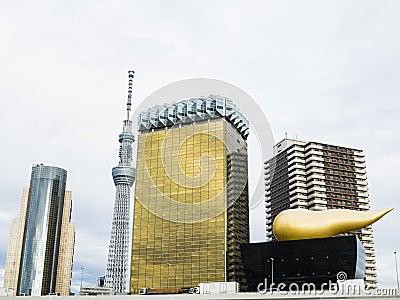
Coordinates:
x,y
325,70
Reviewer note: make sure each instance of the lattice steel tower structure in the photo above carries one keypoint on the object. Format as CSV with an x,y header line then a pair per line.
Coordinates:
x,y
124,177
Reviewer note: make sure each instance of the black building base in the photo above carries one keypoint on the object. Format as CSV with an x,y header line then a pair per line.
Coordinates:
x,y
316,261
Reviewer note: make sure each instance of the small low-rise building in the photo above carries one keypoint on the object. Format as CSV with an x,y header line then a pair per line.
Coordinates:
x,y
95,291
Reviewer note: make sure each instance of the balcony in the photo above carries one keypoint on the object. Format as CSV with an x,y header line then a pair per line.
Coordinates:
x,y
313,146
315,170
362,194
314,152
297,179
363,201
317,188
359,159
295,148
360,165
298,172
315,182
370,260
369,272
362,188
298,204
295,154
295,167
317,176
362,177
298,196
360,171
298,190
300,184
315,164
317,202
314,158
362,182
317,195
366,207
296,160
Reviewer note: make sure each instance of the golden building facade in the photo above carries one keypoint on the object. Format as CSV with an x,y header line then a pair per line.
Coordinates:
x,y
191,202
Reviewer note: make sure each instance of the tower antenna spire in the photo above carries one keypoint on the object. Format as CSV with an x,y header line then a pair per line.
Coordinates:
x,y
124,177
130,83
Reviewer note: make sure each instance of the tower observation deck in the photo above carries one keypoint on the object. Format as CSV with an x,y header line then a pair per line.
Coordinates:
x,y
124,177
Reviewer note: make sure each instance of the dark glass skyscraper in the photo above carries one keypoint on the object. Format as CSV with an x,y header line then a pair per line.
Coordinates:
x,y
42,240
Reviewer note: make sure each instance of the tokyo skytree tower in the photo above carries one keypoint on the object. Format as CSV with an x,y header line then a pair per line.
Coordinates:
x,y
124,177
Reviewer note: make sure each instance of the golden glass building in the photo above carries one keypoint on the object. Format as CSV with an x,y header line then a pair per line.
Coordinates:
x,y
191,198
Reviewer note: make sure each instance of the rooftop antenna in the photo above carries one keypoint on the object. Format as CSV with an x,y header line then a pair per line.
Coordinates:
x,y
129,103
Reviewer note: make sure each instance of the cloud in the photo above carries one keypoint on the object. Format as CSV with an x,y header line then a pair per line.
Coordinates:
x,y
326,71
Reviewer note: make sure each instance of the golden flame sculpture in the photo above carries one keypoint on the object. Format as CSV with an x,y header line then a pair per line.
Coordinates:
x,y
300,224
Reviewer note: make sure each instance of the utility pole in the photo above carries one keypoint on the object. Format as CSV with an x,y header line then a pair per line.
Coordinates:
x,y
397,272
272,273
82,268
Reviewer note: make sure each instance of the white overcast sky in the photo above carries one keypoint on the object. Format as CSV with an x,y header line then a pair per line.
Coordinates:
x,y
320,70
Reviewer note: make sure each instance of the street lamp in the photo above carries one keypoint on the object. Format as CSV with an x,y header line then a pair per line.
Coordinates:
x,y
168,274
272,272
82,268
397,272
